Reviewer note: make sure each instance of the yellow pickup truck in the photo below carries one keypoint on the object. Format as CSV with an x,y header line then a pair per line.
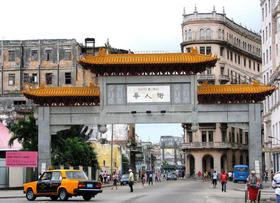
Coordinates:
x,y
62,184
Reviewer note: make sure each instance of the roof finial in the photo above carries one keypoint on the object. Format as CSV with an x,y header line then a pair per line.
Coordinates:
x,y
184,10
224,10
195,9
214,9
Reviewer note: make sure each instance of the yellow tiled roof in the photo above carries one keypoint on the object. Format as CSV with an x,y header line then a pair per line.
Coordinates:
x,y
160,58
255,88
44,91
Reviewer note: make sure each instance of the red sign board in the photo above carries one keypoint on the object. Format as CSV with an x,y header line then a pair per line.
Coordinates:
x,y
21,159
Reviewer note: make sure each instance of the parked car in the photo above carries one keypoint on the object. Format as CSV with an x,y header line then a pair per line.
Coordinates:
x,y
171,176
125,179
62,184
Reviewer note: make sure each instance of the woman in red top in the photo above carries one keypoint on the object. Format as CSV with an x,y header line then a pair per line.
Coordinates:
x,y
224,181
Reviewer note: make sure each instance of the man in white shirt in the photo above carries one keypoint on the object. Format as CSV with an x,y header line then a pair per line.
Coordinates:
x,y
214,179
230,176
276,186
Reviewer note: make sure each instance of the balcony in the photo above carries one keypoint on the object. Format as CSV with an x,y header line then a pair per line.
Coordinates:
x,y
203,77
215,145
223,79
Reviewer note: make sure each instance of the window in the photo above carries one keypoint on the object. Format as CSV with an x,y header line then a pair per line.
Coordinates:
x,y
210,136
203,133
221,51
228,54
219,34
34,55
246,138
233,135
48,55
46,176
235,58
34,78
265,10
202,35
250,64
263,58
233,160
11,79
269,29
266,33
68,78
208,50
12,55
190,136
238,59
269,52
222,70
266,56
241,160
25,77
244,62
231,56
258,67
224,134
202,50
254,66
103,162
268,5
56,176
208,34
241,136
188,49
48,78
67,55
190,34
262,14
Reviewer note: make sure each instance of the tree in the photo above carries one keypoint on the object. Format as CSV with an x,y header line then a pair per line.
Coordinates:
x,y
26,133
66,145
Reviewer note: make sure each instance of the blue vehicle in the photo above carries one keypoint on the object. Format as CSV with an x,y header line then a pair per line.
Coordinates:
x,y
240,173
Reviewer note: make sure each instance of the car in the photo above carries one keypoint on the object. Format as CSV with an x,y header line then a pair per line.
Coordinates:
x,y
62,184
171,176
124,179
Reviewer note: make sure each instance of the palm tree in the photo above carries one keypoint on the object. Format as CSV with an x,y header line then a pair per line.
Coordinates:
x,y
25,131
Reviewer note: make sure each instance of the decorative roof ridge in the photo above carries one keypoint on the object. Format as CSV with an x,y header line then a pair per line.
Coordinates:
x,y
205,84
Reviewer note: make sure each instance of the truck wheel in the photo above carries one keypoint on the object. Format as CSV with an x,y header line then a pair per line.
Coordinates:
x,y
62,194
86,197
30,195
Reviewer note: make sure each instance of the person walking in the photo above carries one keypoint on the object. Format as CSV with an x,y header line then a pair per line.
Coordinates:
x,y
276,186
214,179
151,178
224,181
105,177
131,180
143,177
199,174
101,177
115,180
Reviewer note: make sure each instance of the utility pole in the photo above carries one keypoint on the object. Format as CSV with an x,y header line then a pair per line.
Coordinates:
x,y
112,136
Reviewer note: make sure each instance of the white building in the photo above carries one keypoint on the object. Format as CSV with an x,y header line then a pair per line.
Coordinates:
x,y
270,57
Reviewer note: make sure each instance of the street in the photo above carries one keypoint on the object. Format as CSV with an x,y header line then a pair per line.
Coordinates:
x,y
164,192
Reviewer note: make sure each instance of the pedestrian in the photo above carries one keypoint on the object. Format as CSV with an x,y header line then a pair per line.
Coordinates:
x,y
156,177
271,176
266,176
224,181
214,179
199,174
151,178
230,176
276,186
252,181
131,180
101,177
119,176
105,177
115,180
143,177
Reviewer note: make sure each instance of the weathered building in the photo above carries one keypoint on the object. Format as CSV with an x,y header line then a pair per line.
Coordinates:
x,y
220,146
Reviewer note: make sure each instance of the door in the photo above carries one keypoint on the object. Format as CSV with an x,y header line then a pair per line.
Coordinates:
x,y
43,185
55,181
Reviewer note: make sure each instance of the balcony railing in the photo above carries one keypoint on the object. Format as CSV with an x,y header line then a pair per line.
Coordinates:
x,y
224,78
208,77
215,145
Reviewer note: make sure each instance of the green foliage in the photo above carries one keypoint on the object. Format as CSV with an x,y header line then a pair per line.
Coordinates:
x,y
26,133
103,141
164,163
70,147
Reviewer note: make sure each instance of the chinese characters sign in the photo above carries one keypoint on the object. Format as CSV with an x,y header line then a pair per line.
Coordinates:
x,y
21,159
148,94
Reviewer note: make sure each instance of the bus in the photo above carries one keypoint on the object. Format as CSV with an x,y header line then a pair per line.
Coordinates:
x,y
240,173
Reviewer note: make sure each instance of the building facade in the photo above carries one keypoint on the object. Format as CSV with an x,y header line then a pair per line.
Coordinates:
x,y
220,146
270,55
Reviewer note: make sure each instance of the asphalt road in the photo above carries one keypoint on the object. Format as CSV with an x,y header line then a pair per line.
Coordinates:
x,y
165,192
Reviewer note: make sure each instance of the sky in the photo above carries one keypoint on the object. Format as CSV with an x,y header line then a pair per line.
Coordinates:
x,y
138,25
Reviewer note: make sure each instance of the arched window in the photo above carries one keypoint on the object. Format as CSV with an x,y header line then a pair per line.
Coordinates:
x,y
190,35
202,35
208,34
219,34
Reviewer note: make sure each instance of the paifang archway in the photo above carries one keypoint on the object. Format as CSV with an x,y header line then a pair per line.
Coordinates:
x,y
149,88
